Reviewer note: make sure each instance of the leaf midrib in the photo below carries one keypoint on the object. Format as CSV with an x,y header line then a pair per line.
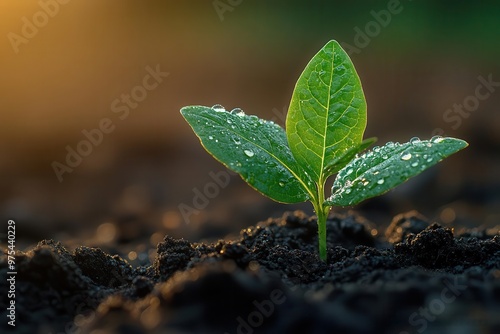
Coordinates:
x,y
326,118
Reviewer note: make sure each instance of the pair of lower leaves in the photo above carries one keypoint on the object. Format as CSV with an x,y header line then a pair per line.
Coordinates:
x,y
324,136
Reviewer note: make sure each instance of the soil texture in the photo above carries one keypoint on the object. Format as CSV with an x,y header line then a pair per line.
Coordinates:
x,y
417,277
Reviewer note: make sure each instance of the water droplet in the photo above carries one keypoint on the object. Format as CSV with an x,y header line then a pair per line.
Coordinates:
x,y
406,156
415,140
238,112
429,160
376,149
210,137
381,181
415,164
249,153
437,139
218,108
385,157
349,171
229,121
281,184
348,190
236,140
365,183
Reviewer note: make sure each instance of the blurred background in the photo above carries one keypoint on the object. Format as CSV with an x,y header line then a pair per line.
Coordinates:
x,y
70,68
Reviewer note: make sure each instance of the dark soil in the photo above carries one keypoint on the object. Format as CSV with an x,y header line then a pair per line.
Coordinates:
x,y
417,278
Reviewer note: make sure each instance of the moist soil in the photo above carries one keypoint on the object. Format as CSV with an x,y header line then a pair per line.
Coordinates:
x,y
417,277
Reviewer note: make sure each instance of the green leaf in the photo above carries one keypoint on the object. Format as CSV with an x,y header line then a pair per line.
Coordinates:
x,y
254,148
327,113
339,163
383,168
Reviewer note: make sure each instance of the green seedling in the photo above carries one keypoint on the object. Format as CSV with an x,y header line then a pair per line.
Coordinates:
x,y
324,136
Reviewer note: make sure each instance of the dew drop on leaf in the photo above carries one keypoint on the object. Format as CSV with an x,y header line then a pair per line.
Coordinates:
x,y
406,156
236,140
437,139
249,153
210,137
348,191
415,164
381,181
218,108
238,112
415,140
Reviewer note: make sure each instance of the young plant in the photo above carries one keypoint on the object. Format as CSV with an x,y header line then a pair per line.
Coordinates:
x,y
324,136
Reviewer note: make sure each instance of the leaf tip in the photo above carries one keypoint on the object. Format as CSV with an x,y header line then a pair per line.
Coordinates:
x,y
460,143
185,110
